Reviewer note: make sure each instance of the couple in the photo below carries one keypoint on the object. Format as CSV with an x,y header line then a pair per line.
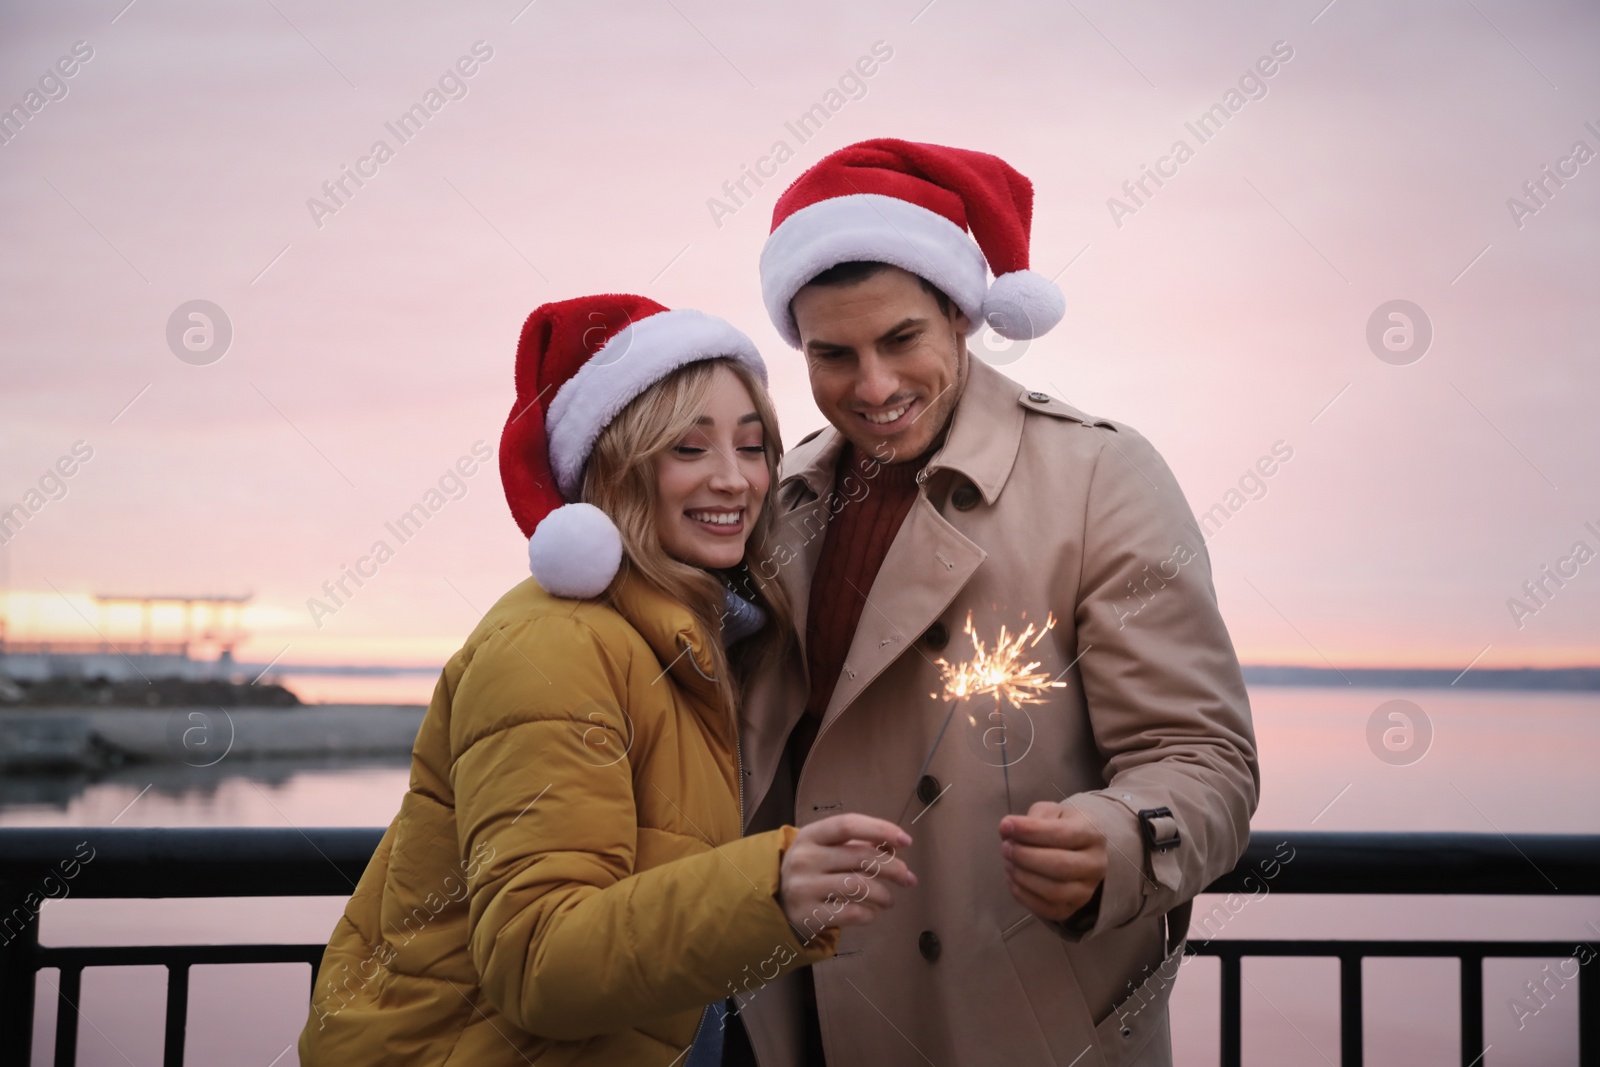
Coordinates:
x,y
695,793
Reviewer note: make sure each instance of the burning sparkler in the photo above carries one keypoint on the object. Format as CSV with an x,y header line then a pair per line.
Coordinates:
x,y
999,672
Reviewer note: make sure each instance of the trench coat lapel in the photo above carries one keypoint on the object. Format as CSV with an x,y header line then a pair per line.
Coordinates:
x,y
804,522
930,561
926,568
777,697
928,564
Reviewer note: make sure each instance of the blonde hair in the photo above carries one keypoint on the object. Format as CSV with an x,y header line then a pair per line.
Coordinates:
x,y
620,479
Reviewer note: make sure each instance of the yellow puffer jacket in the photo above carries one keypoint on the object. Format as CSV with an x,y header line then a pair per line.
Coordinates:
x,y
565,882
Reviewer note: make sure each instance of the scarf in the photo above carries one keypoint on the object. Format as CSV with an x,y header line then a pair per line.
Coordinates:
x,y
740,618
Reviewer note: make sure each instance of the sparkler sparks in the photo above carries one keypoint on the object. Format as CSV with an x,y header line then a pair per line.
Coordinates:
x,y
999,671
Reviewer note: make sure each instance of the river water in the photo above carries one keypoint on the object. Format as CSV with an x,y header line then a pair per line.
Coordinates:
x,y
1460,761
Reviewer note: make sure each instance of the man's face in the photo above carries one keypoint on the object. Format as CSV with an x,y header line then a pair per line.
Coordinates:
x,y
887,366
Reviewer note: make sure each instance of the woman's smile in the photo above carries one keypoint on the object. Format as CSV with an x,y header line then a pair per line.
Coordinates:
x,y
722,522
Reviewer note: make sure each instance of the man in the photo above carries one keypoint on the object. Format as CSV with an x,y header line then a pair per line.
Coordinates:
x,y
1057,845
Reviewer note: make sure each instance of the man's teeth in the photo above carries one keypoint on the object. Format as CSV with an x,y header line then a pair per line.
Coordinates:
x,y
717,518
889,416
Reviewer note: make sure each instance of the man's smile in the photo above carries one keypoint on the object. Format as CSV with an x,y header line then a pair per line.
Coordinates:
x,y
889,419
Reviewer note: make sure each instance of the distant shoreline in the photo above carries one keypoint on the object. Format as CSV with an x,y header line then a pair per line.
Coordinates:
x,y
56,740
1548,679
98,739
1538,679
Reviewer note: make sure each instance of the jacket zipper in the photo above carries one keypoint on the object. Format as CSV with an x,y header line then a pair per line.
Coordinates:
x,y
705,1013
738,753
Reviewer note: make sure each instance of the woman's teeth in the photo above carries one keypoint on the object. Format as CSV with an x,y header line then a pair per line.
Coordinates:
x,y
889,416
717,518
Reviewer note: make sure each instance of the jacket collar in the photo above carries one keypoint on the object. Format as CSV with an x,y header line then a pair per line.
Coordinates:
x,y
981,445
670,629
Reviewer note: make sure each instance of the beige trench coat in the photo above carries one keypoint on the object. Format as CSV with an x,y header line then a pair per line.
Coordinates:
x,y
1030,508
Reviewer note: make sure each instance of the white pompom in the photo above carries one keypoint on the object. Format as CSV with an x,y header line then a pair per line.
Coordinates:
x,y
575,552
1022,304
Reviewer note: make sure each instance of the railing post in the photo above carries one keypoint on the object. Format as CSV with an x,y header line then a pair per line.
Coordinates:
x,y
1471,1009
316,968
1232,1024
19,937
69,994
1350,1040
177,1014
1589,1014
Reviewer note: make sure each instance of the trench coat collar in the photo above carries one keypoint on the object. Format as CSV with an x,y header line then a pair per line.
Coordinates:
x,y
985,433
672,632
985,430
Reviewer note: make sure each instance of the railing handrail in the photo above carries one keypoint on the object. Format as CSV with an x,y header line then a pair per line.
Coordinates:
x,y
131,862
116,862
1418,863
247,861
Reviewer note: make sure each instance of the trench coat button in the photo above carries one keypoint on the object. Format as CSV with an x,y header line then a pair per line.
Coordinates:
x,y
1039,398
965,498
928,944
927,789
936,636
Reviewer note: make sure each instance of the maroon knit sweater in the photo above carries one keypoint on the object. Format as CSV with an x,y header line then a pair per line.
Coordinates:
x,y
853,549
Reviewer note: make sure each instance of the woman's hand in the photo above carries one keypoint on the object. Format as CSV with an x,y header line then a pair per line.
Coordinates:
x,y
838,872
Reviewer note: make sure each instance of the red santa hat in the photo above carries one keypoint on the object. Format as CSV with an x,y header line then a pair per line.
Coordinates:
x,y
579,363
912,205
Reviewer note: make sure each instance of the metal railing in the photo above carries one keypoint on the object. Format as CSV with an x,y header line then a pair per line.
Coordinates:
x,y
37,864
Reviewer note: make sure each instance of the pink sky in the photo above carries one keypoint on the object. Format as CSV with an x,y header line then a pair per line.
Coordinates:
x,y
1220,318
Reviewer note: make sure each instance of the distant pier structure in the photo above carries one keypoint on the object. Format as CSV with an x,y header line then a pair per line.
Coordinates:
x,y
212,627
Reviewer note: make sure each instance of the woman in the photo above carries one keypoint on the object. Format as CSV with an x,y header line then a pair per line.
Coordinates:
x,y
566,882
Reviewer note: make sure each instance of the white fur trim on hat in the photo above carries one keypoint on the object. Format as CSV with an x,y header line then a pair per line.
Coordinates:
x,y
640,355
1022,304
876,228
575,552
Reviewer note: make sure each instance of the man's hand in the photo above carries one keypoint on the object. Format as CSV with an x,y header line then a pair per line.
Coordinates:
x,y
1055,859
839,870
